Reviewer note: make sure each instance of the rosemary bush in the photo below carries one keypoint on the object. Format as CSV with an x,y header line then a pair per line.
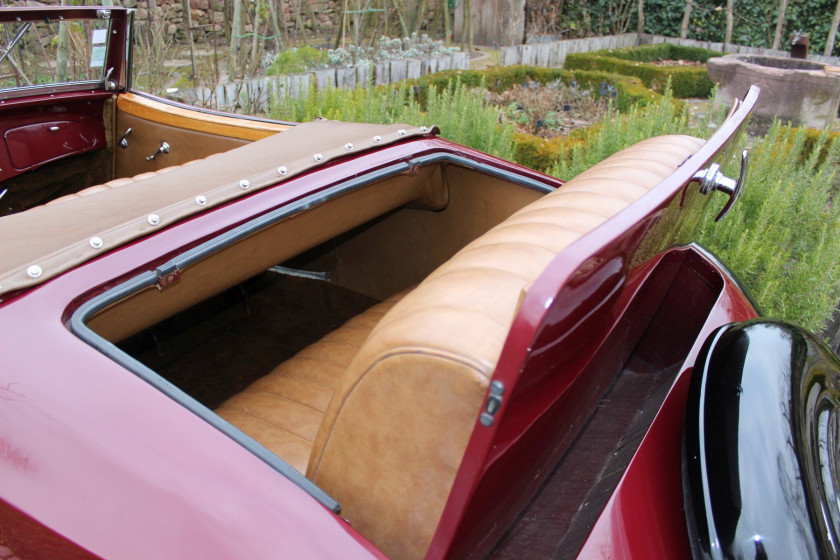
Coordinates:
x,y
782,238
460,111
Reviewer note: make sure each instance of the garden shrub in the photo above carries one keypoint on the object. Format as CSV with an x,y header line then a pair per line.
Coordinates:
x,y
301,59
782,238
459,110
686,81
629,90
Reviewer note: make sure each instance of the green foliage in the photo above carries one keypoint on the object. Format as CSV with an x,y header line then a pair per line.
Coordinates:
x,y
617,131
686,81
459,110
630,90
783,237
293,61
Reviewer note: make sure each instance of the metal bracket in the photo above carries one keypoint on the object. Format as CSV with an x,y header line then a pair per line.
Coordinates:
x,y
167,276
493,404
712,179
103,14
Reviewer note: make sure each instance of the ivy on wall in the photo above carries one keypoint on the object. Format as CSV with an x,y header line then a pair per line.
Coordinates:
x,y
754,20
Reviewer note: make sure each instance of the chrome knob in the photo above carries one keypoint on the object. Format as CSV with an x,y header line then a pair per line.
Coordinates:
x,y
164,149
712,179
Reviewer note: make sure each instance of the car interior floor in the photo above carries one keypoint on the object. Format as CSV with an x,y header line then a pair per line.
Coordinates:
x,y
219,347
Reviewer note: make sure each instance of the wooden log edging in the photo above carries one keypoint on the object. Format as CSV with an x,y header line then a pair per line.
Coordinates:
x,y
254,95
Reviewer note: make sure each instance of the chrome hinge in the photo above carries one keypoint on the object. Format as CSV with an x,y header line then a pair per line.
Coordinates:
x,y
493,404
712,179
103,14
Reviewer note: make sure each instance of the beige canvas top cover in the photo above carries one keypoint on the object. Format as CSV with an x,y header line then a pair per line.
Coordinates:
x,y
40,243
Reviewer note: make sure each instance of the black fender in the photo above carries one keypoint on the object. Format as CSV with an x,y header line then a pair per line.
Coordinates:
x,y
761,445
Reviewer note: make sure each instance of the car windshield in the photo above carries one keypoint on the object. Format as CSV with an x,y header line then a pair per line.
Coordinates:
x,y
52,52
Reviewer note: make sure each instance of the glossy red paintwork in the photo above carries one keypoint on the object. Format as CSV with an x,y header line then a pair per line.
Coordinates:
x,y
103,456
560,356
27,138
645,517
92,453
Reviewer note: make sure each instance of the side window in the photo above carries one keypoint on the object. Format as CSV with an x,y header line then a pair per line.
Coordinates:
x,y
52,52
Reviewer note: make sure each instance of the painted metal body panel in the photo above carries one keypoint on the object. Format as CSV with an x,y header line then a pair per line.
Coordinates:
x,y
106,458
563,350
93,458
645,516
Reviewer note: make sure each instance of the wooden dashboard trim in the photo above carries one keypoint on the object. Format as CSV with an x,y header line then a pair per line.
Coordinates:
x,y
200,121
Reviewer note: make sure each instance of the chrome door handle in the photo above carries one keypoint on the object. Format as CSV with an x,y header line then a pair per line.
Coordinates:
x,y
164,149
123,142
712,179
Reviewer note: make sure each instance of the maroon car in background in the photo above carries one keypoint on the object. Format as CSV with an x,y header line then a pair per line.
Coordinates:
x,y
229,337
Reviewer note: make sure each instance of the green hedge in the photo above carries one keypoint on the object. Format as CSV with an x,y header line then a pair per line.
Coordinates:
x,y
686,81
629,90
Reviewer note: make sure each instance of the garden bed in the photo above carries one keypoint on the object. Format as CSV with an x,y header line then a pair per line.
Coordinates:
x,y
650,63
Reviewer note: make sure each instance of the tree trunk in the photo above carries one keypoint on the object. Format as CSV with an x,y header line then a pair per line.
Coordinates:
x,y
279,35
447,23
686,20
641,27
829,44
780,21
417,20
61,53
235,38
468,22
729,22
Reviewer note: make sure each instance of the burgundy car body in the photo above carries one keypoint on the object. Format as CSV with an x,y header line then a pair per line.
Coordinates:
x,y
96,462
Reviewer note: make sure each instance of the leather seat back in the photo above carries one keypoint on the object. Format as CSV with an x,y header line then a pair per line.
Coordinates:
x,y
394,434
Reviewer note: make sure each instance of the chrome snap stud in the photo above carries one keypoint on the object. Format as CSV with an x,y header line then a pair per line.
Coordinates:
x,y
34,271
153,219
348,146
244,184
377,139
319,157
96,242
282,170
201,200
401,132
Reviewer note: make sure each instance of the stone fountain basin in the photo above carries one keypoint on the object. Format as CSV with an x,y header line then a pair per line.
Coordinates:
x,y
795,90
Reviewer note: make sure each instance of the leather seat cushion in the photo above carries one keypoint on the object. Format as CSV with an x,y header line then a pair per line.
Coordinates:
x,y
283,410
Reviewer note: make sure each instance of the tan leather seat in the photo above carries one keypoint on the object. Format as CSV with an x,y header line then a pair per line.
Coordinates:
x,y
401,413
116,183
283,410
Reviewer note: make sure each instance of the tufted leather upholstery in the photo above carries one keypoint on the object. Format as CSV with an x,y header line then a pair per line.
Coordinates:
x,y
400,415
116,183
283,410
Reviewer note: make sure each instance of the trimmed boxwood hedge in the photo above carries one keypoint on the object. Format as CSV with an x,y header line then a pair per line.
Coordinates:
x,y
686,81
629,90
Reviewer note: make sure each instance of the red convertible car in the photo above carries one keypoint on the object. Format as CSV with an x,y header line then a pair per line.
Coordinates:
x,y
226,337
